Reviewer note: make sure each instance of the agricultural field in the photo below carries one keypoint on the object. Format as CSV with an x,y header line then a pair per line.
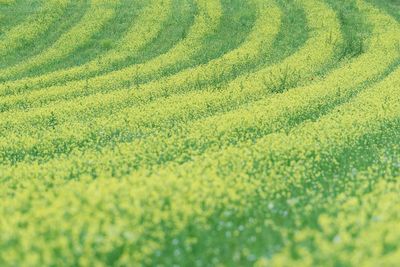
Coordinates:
x,y
199,133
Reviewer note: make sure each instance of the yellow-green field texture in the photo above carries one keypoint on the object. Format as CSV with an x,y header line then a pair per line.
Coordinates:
x,y
200,133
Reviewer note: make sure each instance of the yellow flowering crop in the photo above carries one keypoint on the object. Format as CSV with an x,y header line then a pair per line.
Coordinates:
x,y
199,133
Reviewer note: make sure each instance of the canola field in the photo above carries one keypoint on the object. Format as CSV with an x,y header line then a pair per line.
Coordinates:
x,y
199,133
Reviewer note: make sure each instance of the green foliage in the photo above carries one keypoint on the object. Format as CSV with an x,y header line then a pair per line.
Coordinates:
x,y
199,133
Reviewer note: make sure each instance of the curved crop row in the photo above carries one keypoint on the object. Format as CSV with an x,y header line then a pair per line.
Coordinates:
x,y
10,18
250,122
142,32
232,142
83,139
28,30
209,186
119,99
231,59
96,16
117,78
